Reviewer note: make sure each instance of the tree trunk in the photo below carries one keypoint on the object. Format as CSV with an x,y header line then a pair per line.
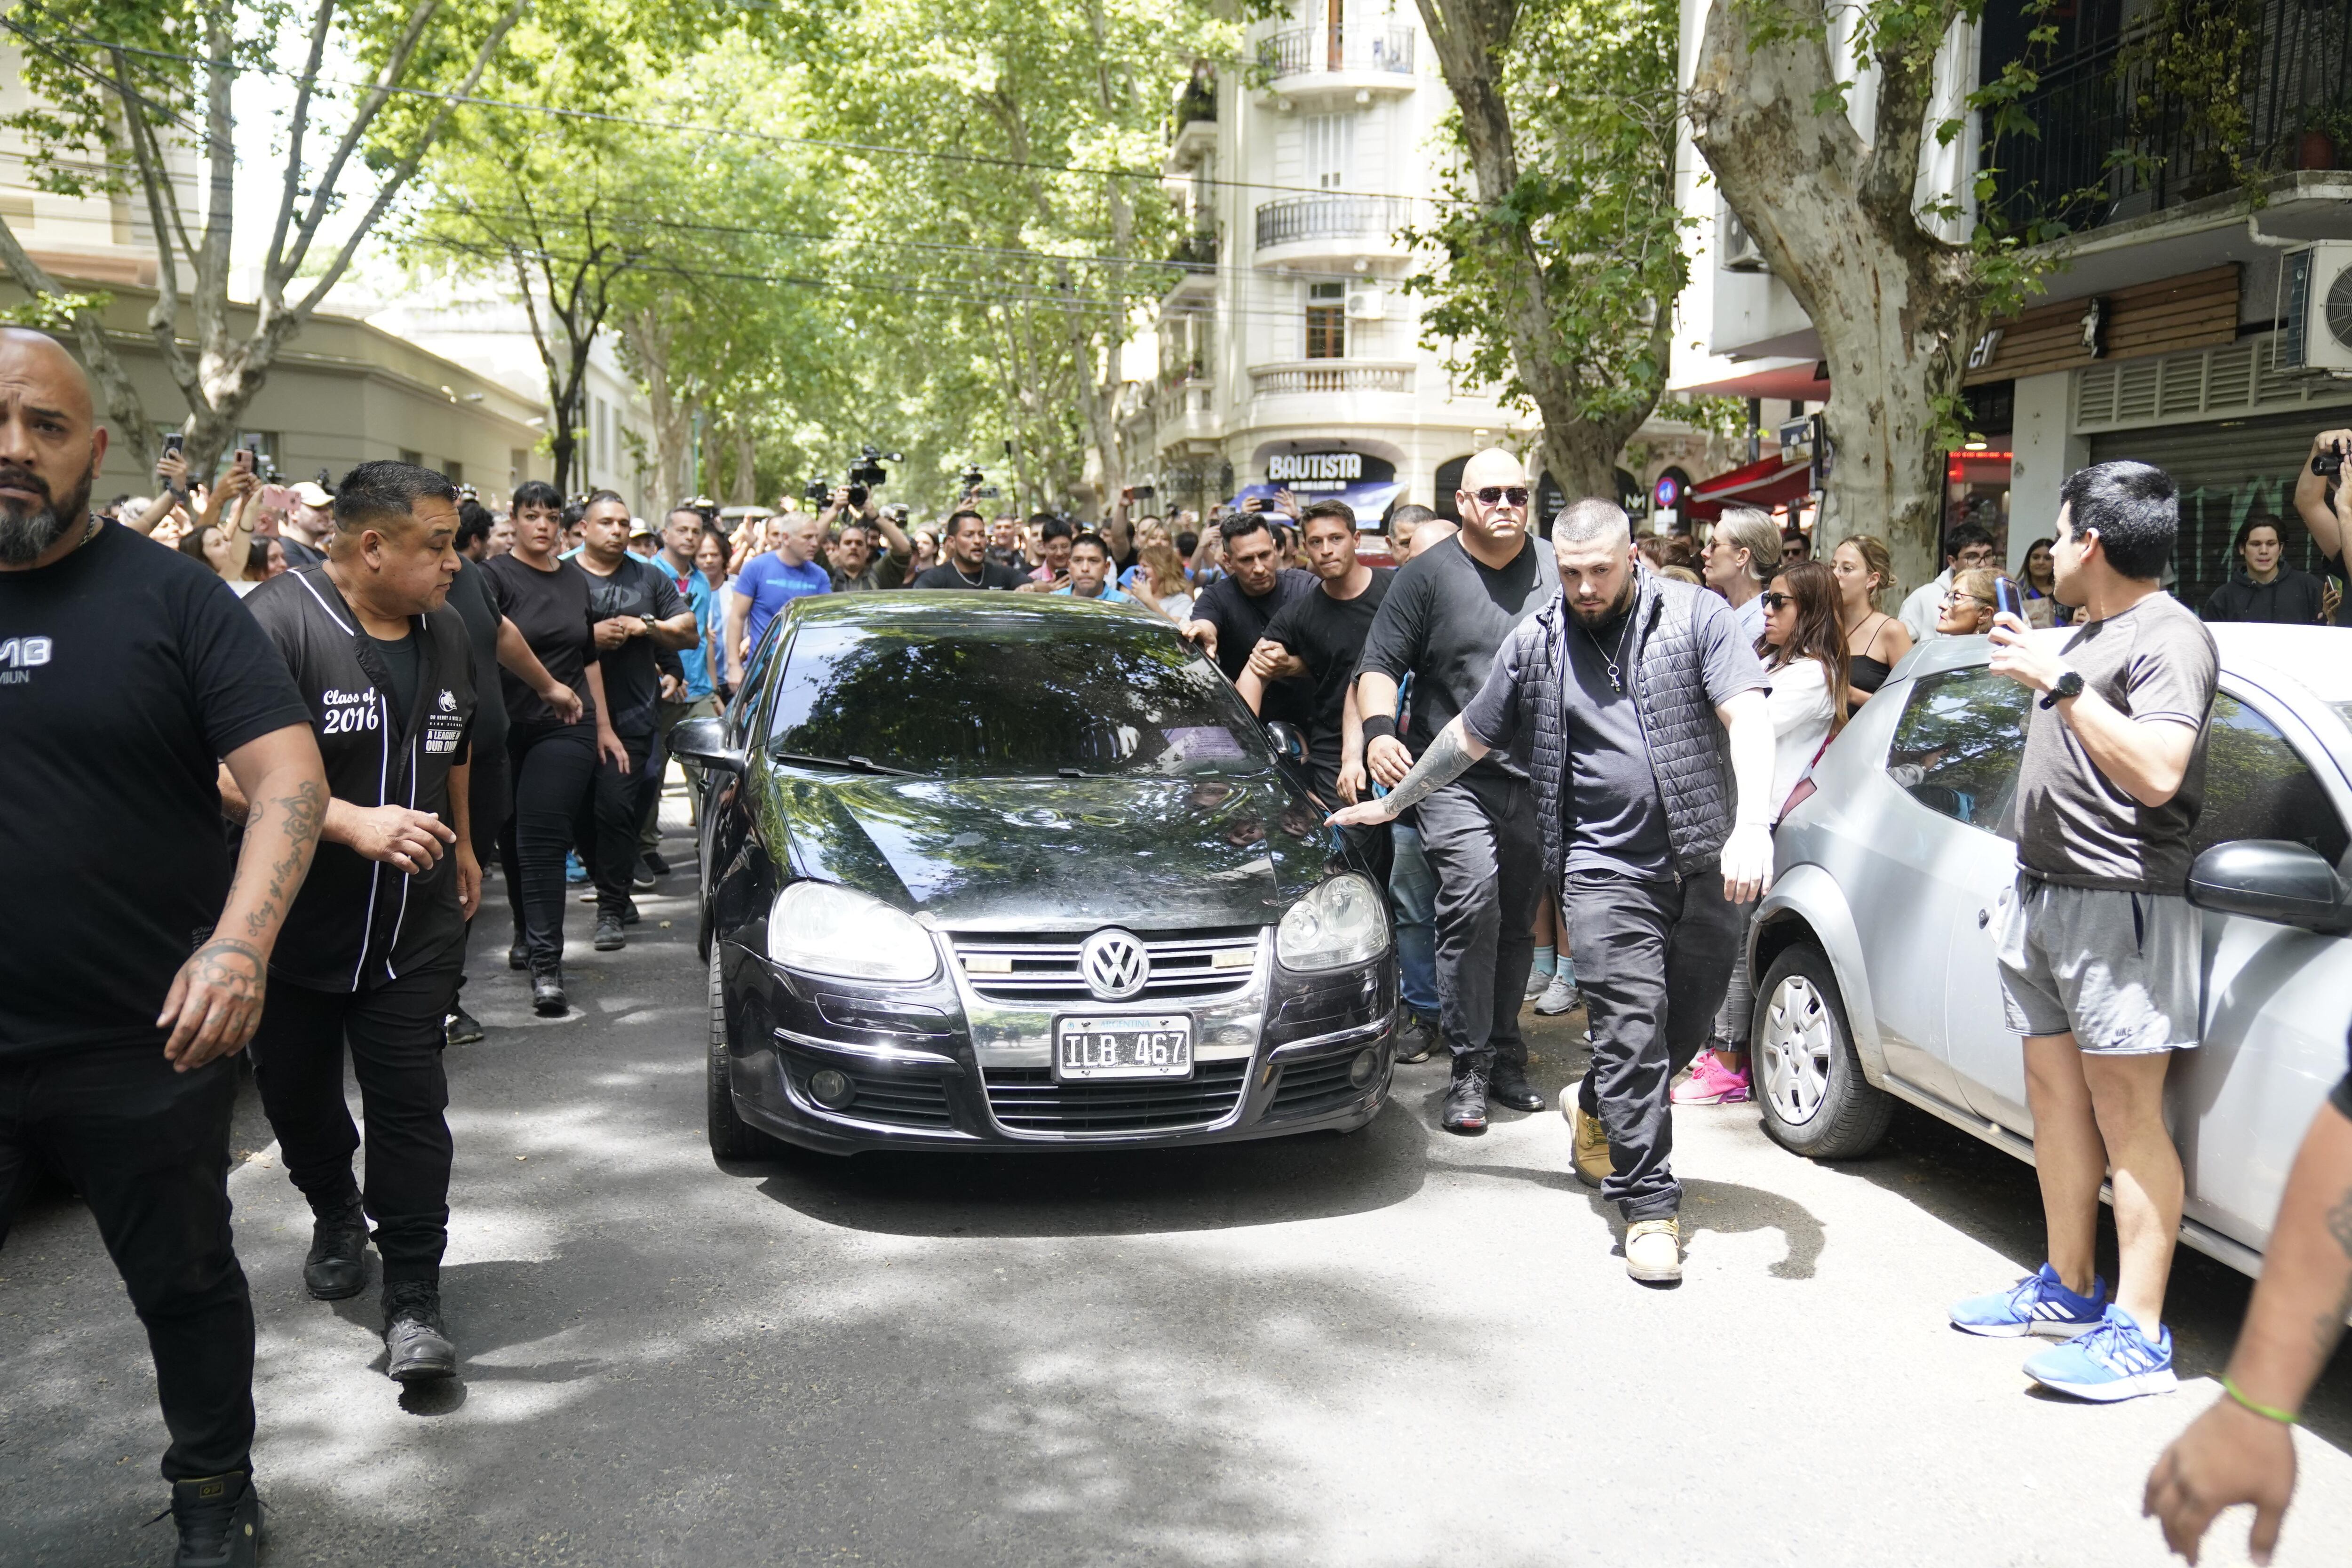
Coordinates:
x,y
649,337
742,490
1895,306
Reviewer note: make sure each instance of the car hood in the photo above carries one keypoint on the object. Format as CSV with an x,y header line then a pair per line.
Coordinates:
x,y
1038,855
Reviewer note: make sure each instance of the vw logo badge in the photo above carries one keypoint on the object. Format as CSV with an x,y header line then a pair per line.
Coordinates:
x,y
1114,964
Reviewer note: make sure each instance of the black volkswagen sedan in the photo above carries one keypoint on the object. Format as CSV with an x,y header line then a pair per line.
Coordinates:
x,y
986,872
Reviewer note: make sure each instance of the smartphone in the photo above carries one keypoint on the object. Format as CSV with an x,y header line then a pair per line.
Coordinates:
x,y
241,460
2007,600
173,441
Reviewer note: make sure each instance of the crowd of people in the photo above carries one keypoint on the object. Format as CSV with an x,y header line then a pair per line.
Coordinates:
x,y
1566,752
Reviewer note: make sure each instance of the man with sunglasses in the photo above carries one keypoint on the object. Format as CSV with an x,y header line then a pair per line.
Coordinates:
x,y
1447,611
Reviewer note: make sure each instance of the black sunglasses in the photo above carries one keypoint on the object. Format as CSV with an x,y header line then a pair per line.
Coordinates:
x,y
1774,603
1516,494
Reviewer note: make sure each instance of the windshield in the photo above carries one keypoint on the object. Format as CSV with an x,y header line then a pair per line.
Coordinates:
x,y
1009,702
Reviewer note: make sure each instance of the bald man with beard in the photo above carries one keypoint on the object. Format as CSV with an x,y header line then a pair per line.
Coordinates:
x,y
139,958
1449,607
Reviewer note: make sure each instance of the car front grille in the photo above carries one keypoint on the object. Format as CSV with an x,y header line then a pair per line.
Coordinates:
x,y
1313,1088
1042,971
1027,1100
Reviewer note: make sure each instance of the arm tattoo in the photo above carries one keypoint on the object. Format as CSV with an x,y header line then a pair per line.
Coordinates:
x,y
1446,760
302,811
2331,1325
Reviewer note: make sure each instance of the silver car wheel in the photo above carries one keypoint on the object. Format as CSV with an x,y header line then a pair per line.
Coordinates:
x,y
1793,1050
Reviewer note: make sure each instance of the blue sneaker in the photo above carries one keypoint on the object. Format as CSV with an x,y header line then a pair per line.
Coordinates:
x,y
2036,1304
2114,1361
574,873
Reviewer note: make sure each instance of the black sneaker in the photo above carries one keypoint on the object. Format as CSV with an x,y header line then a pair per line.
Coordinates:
x,y
519,956
462,1028
643,879
629,915
416,1345
1466,1101
1415,1040
654,859
546,997
608,933
1507,1084
336,1268
219,1519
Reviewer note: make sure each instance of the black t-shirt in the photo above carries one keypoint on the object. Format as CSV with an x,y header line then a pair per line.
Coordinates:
x,y
552,610
1241,620
475,599
1443,619
947,574
127,671
632,672
1328,635
392,720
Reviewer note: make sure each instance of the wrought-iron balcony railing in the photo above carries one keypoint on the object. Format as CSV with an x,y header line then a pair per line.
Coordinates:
x,y
1300,218
2116,140
1295,51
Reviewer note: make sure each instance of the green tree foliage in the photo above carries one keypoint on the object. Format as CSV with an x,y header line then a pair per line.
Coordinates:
x,y
1560,252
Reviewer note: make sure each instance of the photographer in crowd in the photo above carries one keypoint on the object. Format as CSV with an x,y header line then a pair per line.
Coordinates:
x,y
2100,949
371,953
141,675
2326,510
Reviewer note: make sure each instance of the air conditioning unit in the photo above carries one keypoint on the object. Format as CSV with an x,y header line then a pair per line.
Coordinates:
x,y
1740,251
2317,282
1366,303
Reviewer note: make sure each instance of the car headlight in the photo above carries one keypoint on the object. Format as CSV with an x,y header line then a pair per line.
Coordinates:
x,y
828,929
1339,923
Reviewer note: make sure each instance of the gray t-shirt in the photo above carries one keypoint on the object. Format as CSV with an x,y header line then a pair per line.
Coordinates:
x,y
1614,819
2156,660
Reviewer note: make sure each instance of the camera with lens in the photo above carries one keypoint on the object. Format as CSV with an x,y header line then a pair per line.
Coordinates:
x,y
866,473
816,492
2328,465
974,482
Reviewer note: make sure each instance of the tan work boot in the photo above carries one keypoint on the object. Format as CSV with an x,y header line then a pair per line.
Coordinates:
x,y
1591,1154
1654,1250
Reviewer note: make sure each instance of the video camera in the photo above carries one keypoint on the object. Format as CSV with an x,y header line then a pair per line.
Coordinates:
x,y
973,482
867,473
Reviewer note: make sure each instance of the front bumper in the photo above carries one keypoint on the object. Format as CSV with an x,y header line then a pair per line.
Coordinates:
x,y
938,1066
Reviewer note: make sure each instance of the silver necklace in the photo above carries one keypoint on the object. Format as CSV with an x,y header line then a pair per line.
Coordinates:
x,y
1616,665
971,582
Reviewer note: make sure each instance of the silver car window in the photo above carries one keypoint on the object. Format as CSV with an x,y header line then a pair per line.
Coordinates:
x,y
2257,788
1956,747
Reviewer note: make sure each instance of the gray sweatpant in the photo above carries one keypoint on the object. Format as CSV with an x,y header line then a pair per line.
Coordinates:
x,y
1479,837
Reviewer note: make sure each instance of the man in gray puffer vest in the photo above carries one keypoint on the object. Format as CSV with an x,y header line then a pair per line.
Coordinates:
x,y
1642,709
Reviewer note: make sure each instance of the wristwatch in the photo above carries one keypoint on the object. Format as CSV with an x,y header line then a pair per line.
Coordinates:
x,y
2069,684
651,624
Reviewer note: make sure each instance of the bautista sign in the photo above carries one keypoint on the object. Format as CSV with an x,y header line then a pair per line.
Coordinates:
x,y
1309,472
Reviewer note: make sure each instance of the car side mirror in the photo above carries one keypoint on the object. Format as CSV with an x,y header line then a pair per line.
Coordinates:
x,y
704,741
2270,879
1287,743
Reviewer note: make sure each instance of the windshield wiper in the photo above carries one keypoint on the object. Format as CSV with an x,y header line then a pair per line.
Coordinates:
x,y
847,764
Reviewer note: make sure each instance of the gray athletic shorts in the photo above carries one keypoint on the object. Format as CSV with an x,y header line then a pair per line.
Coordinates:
x,y
2117,970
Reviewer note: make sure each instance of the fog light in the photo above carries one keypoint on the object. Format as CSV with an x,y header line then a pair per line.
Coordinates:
x,y
831,1088
1360,1070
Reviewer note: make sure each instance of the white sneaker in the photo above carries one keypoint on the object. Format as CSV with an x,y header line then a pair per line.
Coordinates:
x,y
1560,997
1538,980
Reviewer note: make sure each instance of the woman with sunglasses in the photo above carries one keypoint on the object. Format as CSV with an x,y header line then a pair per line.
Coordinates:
x,y
1804,653
1968,604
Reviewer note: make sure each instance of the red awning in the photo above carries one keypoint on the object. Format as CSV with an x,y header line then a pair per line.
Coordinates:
x,y
1775,482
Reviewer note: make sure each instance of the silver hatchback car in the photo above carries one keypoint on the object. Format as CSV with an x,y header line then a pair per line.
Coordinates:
x,y
1874,951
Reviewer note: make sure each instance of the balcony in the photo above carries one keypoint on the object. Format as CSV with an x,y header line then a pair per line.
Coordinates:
x,y
1335,227
1184,416
1194,282
1299,62
1322,377
2116,141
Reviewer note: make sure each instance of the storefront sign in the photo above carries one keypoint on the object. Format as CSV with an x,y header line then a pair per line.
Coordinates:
x,y
1317,473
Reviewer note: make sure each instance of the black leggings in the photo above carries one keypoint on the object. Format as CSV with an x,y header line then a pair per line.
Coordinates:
x,y
554,769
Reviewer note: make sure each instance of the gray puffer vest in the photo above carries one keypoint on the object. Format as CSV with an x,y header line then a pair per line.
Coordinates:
x,y
1690,756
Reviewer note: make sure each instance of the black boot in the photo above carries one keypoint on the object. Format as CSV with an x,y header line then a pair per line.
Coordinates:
x,y
1466,1101
609,934
546,997
629,915
1414,1039
337,1266
416,1345
519,956
1507,1085
220,1522
462,1028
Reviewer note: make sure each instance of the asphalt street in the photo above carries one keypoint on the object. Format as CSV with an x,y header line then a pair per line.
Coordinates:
x,y
1397,1347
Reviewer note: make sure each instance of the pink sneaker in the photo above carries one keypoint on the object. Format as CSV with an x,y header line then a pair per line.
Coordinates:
x,y
1711,1083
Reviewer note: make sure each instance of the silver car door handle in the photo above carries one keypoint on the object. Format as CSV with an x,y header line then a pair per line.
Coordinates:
x,y
1984,918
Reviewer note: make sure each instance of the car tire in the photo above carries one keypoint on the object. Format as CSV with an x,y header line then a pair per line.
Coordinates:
x,y
1805,1075
732,1139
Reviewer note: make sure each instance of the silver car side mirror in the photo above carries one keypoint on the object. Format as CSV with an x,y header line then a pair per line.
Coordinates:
x,y
2270,879
704,741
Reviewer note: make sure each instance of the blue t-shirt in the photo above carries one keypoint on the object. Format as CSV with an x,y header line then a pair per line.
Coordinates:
x,y
770,584
1109,596
704,602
